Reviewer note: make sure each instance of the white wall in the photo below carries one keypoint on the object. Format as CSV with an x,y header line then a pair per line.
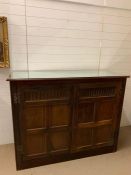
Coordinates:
x,y
92,2
6,131
61,35
15,11
123,4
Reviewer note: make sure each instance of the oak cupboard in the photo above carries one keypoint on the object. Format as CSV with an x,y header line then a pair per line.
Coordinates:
x,y
64,115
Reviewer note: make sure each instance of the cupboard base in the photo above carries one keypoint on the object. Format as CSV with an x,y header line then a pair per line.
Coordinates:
x,y
65,157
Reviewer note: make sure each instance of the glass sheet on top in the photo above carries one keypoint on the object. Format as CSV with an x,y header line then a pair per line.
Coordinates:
x,y
56,74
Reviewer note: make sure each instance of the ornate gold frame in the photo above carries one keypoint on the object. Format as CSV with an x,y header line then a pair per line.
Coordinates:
x,y
5,62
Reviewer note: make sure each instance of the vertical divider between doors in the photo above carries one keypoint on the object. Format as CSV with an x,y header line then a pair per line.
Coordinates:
x,y
74,116
48,108
94,120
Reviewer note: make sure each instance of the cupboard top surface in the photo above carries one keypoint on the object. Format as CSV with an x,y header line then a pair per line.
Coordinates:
x,y
62,74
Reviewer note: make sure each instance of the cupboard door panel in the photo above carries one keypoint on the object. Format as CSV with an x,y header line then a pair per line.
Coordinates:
x,y
35,143
35,116
103,134
60,115
83,138
60,141
85,112
106,110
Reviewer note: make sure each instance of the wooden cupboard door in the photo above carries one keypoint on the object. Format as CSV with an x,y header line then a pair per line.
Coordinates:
x,y
94,124
96,115
46,120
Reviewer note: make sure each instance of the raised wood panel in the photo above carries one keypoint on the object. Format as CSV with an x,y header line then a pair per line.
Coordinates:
x,y
103,134
86,112
35,116
83,138
60,115
59,141
35,143
106,110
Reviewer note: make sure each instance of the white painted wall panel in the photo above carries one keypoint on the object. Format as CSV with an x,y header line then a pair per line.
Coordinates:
x,y
12,9
68,65
64,6
4,1
6,129
64,33
18,49
126,21
17,30
116,36
114,28
4,8
117,12
16,9
20,2
66,24
17,39
126,4
63,42
16,20
94,2
65,51
116,51
116,44
65,15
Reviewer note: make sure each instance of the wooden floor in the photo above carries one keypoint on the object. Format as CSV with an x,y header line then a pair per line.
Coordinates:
x,y
118,163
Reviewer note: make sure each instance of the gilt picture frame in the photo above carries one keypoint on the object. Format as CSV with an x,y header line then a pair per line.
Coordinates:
x,y
4,45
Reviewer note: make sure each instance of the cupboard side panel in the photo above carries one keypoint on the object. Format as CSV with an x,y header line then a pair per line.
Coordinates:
x,y
16,124
120,106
